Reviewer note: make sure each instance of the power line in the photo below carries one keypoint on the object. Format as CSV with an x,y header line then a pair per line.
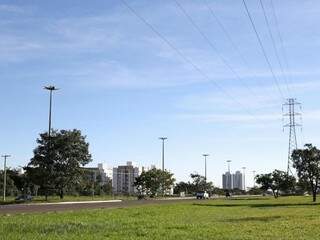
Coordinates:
x,y
227,34
274,45
284,53
263,49
186,59
212,45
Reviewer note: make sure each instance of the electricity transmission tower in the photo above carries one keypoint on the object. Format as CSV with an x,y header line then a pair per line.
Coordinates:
x,y
291,112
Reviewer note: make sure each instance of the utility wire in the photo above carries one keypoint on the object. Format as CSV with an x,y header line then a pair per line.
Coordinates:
x,y
284,53
263,50
212,45
232,42
274,46
186,59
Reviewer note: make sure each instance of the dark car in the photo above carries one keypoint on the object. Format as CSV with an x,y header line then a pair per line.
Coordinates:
x,y
24,198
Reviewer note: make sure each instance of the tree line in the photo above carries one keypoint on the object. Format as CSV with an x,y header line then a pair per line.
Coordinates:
x,y
306,163
57,167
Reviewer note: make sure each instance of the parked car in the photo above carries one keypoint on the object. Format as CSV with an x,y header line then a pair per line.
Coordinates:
x,y
24,198
202,195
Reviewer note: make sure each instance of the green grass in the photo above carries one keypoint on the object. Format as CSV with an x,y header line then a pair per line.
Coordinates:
x,y
52,199
265,218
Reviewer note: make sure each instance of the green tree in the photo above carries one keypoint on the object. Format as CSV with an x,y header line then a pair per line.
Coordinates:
x,y
11,189
19,179
307,163
154,182
57,161
182,187
199,183
276,181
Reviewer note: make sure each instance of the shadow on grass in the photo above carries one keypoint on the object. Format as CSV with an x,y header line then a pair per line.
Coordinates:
x,y
261,205
253,219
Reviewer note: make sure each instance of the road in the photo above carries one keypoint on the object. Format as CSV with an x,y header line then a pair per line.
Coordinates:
x,y
67,206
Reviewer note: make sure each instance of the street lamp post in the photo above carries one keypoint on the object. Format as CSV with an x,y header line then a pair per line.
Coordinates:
x,y
5,175
229,161
205,165
163,139
50,89
244,178
229,181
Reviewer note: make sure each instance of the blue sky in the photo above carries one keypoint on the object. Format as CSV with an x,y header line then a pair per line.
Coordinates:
x,y
124,87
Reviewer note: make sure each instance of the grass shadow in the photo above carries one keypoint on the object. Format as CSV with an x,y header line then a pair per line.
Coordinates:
x,y
253,219
259,205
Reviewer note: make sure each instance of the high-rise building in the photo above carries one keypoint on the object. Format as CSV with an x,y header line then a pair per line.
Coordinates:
x,y
124,177
237,180
232,181
227,181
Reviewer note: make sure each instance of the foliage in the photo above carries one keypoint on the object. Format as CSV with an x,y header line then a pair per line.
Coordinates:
x,y
276,181
198,183
92,183
57,161
307,163
185,187
255,191
11,189
154,182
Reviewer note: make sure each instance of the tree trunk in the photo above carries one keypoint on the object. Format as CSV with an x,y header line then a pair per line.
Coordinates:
x,y
314,195
61,194
274,193
46,194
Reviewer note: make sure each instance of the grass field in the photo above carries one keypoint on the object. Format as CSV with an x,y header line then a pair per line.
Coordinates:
x,y
265,218
67,198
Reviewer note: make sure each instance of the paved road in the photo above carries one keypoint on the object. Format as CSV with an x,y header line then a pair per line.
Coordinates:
x,y
34,208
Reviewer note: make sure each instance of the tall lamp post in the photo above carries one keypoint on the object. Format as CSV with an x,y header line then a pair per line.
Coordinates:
x,y
229,161
5,175
50,89
244,178
163,139
205,165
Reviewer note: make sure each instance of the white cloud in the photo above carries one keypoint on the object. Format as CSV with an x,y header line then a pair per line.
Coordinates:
x,y
11,8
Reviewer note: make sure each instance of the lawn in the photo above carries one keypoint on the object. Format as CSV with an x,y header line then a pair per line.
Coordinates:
x,y
67,198
265,218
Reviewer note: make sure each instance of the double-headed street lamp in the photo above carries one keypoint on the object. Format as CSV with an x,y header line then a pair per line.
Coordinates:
x,y
51,89
244,178
5,175
205,165
229,161
163,139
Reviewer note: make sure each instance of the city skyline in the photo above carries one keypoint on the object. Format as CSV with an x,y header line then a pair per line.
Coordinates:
x,y
125,94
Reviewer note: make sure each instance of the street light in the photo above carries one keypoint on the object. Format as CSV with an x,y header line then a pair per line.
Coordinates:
x,y
50,89
229,161
5,175
163,139
205,165
244,178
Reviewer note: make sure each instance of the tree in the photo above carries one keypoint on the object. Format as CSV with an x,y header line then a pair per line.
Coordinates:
x,y
307,163
276,181
154,182
182,187
19,179
57,161
199,183
11,189
265,181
